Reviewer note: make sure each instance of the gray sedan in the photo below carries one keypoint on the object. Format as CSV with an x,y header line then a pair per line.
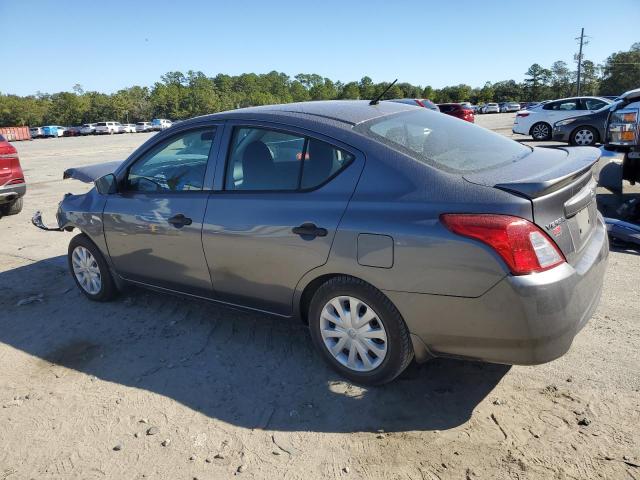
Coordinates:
x,y
393,231
583,130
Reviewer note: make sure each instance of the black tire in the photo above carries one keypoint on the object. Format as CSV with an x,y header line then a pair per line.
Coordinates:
x,y
541,131
399,348
584,137
108,289
12,208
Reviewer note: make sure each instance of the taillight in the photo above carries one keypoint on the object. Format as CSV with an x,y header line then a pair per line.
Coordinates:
x,y
521,244
522,114
7,150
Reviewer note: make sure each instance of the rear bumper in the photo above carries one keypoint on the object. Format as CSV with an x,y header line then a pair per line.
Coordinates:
x,y
524,320
519,129
9,193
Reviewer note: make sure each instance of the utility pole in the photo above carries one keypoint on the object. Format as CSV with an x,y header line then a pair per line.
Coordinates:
x,y
579,61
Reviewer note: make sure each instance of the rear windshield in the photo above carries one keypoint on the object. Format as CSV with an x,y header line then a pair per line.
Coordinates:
x,y
447,108
444,142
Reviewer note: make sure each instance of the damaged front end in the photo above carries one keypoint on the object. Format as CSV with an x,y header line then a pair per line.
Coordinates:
x,y
83,211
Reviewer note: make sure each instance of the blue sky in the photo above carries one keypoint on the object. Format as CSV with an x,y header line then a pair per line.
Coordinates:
x,y
110,44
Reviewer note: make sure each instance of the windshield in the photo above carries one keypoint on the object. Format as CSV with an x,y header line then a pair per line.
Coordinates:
x,y
443,141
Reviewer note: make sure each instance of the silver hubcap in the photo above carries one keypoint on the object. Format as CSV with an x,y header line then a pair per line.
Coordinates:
x,y
540,131
86,270
584,137
353,333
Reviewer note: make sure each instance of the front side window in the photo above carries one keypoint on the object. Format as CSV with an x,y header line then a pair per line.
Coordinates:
x,y
443,141
593,104
270,160
177,164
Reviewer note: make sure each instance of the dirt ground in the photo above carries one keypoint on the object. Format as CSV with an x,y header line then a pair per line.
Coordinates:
x,y
152,386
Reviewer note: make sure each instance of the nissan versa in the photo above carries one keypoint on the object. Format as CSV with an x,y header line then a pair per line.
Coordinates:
x,y
393,231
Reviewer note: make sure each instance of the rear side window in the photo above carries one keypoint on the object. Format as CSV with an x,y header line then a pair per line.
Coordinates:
x,y
562,106
270,160
443,141
101,124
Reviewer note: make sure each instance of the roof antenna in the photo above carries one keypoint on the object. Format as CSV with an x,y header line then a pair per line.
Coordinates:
x,y
376,100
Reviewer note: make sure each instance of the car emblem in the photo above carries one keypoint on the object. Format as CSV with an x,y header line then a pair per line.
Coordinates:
x,y
552,226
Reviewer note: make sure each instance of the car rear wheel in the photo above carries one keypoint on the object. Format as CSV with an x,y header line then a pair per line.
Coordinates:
x,y
359,332
12,208
584,136
541,131
90,270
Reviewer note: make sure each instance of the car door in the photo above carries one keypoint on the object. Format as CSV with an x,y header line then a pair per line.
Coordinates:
x,y
275,212
153,224
562,109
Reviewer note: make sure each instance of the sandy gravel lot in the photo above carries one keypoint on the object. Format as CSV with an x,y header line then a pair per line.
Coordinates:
x,y
152,386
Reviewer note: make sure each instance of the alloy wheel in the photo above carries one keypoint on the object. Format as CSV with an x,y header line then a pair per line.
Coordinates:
x,y
540,131
353,333
86,270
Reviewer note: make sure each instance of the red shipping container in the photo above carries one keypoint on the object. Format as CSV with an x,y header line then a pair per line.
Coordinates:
x,y
13,134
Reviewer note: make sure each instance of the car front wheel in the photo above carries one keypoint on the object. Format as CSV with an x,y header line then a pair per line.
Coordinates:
x,y
90,270
359,332
541,131
584,136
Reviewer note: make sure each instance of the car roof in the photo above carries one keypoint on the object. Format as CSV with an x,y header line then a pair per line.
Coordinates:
x,y
345,113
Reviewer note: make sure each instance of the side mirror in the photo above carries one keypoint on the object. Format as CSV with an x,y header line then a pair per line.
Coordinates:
x,y
106,184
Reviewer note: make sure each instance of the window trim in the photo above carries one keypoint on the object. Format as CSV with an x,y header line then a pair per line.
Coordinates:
x,y
280,129
123,180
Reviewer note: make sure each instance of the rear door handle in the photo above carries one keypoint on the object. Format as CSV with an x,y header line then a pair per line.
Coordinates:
x,y
309,230
180,220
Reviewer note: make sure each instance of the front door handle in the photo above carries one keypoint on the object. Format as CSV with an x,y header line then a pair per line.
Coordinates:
x,y
180,220
309,230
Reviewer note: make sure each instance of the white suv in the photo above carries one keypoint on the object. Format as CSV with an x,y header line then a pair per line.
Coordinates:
x,y
538,121
107,127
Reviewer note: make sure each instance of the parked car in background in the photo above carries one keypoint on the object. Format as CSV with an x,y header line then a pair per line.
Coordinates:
x,y
491,108
528,105
53,131
457,110
583,130
510,107
72,132
538,121
127,128
88,129
107,128
160,124
36,132
12,183
294,228
420,102
143,127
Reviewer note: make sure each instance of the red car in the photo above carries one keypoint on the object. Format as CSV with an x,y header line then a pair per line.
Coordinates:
x,y
12,184
457,110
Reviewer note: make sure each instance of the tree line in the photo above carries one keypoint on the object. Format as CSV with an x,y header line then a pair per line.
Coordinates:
x,y
183,95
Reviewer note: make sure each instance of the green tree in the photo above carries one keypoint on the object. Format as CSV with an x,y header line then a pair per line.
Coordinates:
x,y
621,72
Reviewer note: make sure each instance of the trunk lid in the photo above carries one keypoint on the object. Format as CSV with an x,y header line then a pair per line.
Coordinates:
x,y
561,186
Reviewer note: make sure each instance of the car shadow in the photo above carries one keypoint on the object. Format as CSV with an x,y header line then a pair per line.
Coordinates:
x,y
247,369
